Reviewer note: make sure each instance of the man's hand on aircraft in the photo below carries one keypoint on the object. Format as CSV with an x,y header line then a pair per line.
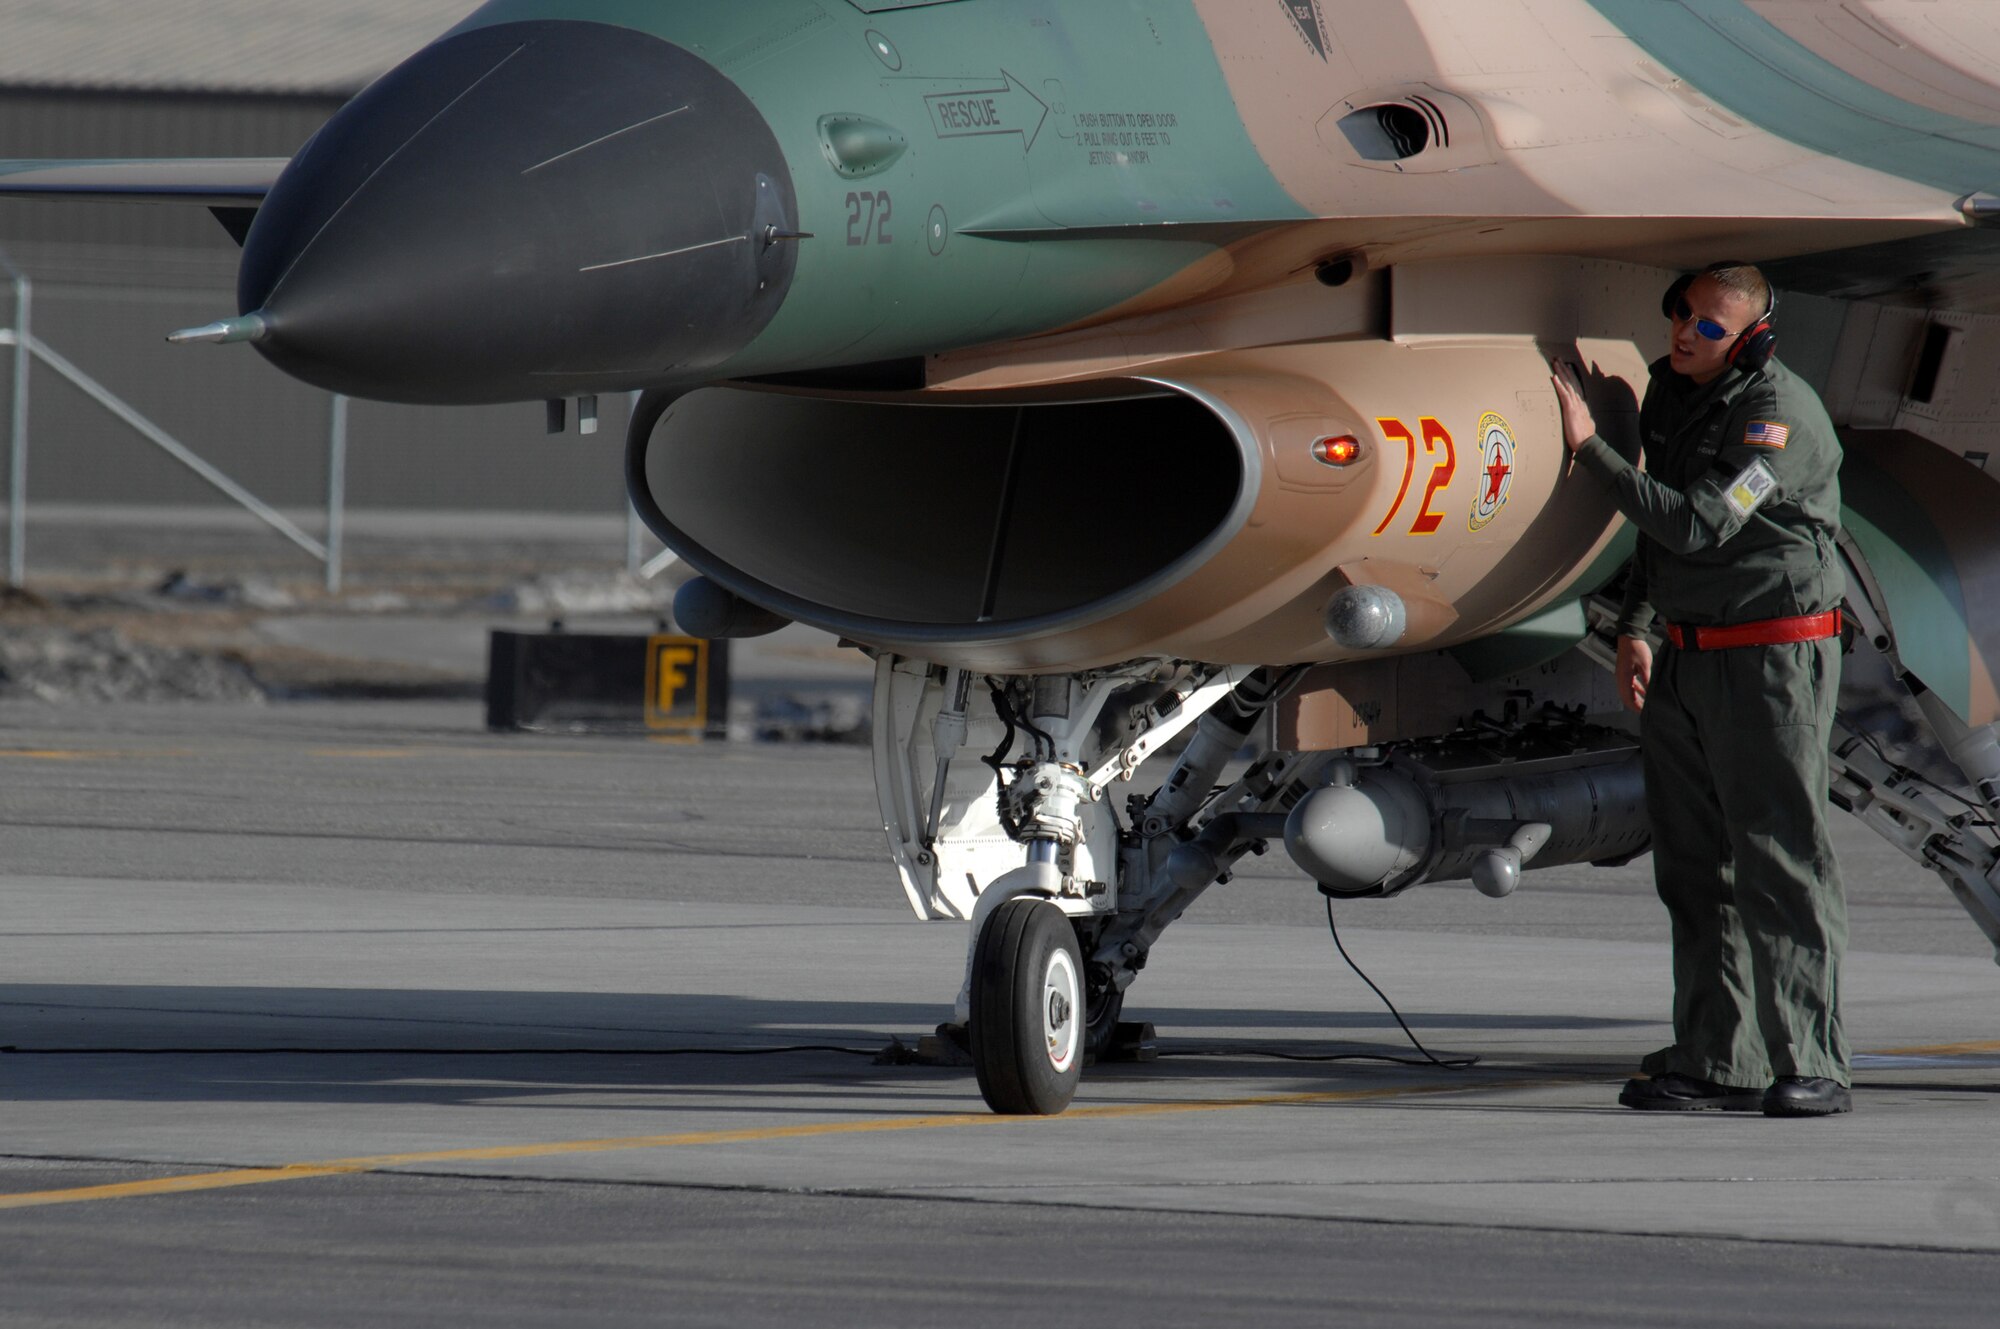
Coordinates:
x,y
1578,423
1635,670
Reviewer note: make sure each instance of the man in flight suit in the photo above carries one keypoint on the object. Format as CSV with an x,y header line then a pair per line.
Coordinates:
x,y
1737,514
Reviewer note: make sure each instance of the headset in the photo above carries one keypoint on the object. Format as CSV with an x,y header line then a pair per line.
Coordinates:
x,y
1756,344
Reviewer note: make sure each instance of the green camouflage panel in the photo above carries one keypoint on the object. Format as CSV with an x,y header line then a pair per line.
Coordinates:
x,y
992,100
1741,60
1924,521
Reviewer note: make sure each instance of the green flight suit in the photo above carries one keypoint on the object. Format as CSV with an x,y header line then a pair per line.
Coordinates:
x,y
1737,512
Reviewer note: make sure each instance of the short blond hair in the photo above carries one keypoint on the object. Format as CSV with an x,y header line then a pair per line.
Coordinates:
x,y
1745,280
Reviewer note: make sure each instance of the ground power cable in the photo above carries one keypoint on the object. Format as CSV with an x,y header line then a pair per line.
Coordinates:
x,y
1429,1058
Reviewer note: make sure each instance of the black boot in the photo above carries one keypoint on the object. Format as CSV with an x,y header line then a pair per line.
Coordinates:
x,y
1673,1092
1805,1096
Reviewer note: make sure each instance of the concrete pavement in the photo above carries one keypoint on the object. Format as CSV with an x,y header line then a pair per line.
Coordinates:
x,y
498,1028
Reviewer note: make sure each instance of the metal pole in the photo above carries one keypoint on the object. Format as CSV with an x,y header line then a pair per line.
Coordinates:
x,y
159,438
336,492
635,530
17,470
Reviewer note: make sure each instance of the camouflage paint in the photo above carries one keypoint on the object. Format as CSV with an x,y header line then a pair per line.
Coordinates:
x,y
1529,644
932,287
1063,70
1744,63
1547,635
1914,569
1923,519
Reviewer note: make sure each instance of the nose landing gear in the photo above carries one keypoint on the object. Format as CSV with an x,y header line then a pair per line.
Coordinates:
x,y
1027,1025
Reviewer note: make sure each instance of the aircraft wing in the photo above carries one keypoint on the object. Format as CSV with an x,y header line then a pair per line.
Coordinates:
x,y
1938,262
216,182
1956,271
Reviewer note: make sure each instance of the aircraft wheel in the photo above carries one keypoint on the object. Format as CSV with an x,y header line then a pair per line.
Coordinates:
x,y
1028,1015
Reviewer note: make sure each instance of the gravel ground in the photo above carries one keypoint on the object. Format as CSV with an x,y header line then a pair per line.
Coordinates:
x,y
178,605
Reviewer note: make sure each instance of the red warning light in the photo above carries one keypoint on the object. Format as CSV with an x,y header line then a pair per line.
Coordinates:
x,y
1344,450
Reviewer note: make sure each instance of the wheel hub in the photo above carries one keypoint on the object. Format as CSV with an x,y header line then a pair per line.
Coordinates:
x,y
1061,994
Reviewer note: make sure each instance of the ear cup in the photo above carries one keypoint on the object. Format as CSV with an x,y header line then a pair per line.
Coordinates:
x,y
1754,347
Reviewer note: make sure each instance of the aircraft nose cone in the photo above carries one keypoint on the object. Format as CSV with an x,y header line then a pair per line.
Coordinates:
x,y
528,210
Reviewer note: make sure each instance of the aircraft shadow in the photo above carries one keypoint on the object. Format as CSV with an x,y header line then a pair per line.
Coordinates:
x,y
81,1042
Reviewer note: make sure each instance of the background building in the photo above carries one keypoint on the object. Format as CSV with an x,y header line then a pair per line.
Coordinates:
x,y
109,78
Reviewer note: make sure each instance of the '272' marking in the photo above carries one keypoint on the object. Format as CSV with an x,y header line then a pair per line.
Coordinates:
x,y
868,218
1436,438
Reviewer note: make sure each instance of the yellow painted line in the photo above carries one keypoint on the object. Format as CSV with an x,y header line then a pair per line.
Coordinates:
x,y
359,754
378,754
73,754
205,1181
1943,1050
210,1181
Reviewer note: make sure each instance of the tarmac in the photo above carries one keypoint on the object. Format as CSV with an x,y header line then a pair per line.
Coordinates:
x,y
322,1011
330,1011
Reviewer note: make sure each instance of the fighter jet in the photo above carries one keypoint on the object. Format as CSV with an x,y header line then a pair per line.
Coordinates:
x,y
1125,373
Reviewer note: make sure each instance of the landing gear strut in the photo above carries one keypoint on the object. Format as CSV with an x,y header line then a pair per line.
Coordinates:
x,y
1033,1009
1103,1003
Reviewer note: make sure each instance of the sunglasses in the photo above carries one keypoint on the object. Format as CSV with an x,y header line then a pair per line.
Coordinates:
x,y
1713,331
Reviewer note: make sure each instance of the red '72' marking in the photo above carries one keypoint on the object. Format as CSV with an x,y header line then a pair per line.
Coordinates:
x,y
1442,469
1392,430
1427,521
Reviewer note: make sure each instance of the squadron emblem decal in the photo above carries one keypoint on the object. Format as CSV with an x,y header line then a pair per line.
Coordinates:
x,y
1496,469
1306,18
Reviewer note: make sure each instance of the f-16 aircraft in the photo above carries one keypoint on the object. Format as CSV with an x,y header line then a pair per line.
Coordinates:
x,y
1119,372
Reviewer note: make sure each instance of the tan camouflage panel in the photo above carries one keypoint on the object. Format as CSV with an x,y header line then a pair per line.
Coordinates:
x,y
1567,138
1553,111
1464,501
1944,57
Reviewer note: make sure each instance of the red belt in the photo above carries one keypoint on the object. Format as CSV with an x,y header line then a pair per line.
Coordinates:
x,y
1764,632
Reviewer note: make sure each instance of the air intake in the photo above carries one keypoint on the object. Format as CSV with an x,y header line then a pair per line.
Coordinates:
x,y
1396,131
925,520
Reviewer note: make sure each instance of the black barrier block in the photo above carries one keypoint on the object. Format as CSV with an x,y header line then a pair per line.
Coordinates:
x,y
585,682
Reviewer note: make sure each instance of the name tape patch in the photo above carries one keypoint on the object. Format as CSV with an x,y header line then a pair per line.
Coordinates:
x,y
1749,490
1767,434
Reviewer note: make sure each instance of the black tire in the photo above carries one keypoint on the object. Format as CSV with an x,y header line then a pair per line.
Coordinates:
x,y
1027,1009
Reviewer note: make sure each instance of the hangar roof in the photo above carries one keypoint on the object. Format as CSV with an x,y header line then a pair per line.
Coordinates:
x,y
263,46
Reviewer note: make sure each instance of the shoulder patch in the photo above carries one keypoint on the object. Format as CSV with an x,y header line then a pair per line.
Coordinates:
x,y
1767,434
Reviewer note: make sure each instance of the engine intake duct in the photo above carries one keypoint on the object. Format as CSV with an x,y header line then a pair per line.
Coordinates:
x,y
917,522
1378,830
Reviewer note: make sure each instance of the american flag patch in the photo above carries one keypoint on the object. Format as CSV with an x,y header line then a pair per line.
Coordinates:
x,y
1767,434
